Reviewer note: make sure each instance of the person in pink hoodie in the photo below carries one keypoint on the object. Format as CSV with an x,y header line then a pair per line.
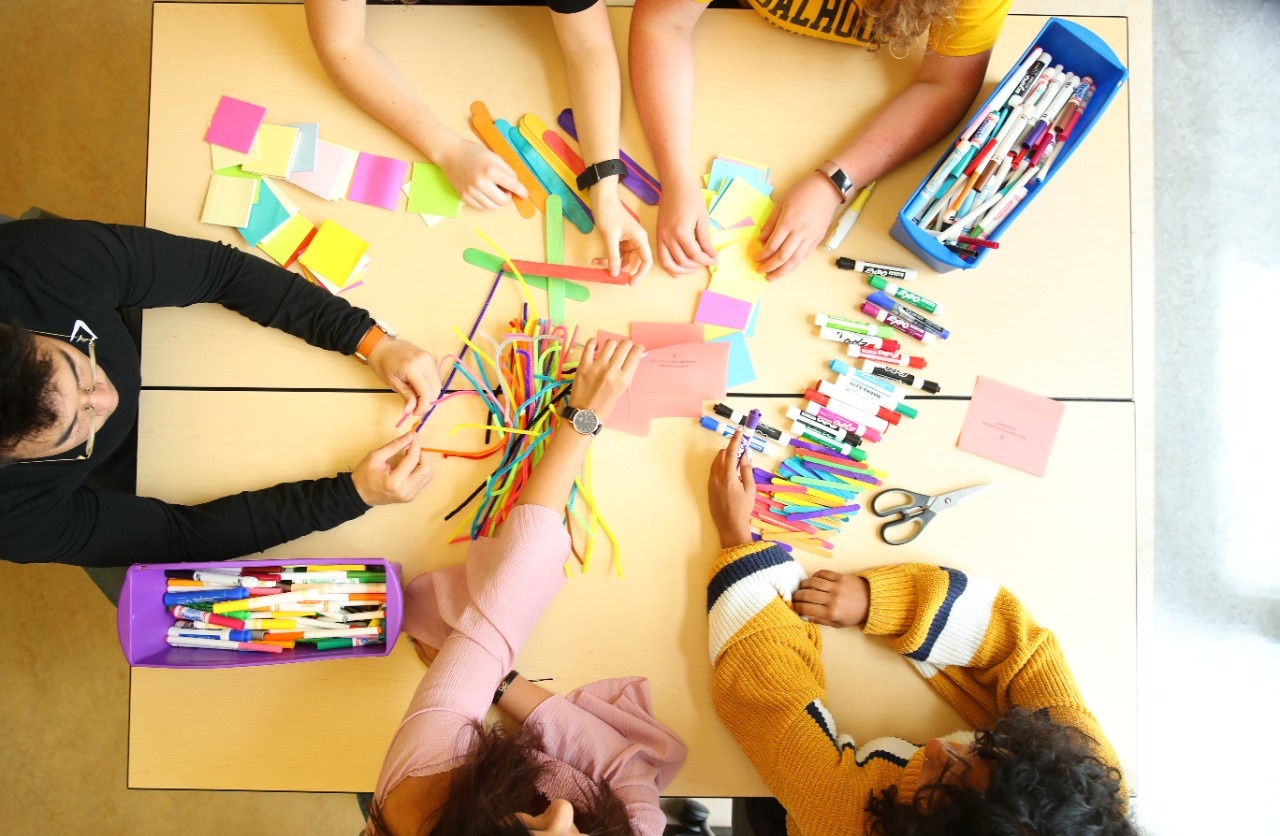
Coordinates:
x,y
592,761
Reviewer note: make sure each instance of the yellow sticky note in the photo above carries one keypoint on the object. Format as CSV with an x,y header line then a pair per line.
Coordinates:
x,y
737,273
284,241
229,200
741,200
721,238
334,253
225,157
277,145
710,197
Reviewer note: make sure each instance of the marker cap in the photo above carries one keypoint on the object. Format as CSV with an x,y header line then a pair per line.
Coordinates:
x,y
908,411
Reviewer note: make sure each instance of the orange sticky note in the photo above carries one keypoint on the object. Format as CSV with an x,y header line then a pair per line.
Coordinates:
x,y
1011,426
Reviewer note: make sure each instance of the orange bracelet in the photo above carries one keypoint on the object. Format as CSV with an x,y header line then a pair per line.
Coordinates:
x,y
369,342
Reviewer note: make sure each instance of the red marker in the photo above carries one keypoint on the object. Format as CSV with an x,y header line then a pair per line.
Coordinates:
x,y
819,398
894,357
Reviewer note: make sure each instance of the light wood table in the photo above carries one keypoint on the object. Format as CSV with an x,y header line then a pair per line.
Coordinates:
x,y
1063,543
1046,312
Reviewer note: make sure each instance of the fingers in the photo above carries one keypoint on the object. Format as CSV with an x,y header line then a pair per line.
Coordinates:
x,y
744,470
605,353
411,459
588,356
506,179
817,583
632,362
423,390
383,454
702,232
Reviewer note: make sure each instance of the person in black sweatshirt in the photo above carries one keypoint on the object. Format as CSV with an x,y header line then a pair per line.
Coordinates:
x,y
70,380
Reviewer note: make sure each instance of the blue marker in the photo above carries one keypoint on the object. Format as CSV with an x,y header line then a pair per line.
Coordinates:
x,y
757,444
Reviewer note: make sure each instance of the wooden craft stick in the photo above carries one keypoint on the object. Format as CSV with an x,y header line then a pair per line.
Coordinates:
x,y
482,124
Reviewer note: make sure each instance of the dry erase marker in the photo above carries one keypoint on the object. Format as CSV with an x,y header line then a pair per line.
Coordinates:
x,y
727,430
867,409
897,291
849,338
886,270
864,414
856,427
748,431
893,358
898,323
853,326
821,426
887,302
806,432
899,376
735,416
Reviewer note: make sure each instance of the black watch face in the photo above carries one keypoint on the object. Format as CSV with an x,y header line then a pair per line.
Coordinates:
x,y
585,421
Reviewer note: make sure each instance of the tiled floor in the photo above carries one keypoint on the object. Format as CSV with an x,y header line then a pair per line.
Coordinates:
x,y
73,84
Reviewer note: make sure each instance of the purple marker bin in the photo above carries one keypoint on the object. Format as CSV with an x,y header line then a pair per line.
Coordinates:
x,y
1079,51
143,621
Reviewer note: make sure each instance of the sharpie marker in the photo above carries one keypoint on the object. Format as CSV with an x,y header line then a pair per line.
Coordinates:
x,y
894,358
896,322
899,376
853,326
729,413
856,427
887,302
897,291
727,430
886,270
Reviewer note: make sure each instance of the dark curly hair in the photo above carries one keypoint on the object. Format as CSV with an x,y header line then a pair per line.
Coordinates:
x,y
500,780
1045,781
28,404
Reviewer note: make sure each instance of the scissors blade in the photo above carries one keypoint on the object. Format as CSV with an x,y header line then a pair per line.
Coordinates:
x,y
951,499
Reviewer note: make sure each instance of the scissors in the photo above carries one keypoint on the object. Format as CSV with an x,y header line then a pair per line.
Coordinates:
x,y
918,511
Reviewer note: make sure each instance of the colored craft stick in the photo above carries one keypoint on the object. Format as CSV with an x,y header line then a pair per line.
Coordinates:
x,y
532,128
833,459
780,489
493,264
571,272
574,209
641,183
809,515
821,496
554,228
570,157
825,486
484,127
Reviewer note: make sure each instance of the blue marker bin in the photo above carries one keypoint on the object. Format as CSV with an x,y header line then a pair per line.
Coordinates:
x,y
1079,51
142,620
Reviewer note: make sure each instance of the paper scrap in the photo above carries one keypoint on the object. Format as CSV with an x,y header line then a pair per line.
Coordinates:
x,y
740,199
377,180
740,370
431,193
283,243
672,381
737,273
718,309
431,220
271,210
653,335
229,201
334,165
308,136
277,145
724,169
334,253
1011,426
234,124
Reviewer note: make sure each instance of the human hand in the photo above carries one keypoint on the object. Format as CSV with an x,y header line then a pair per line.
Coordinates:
x,y
731,493
425,652
604,373
379,482
625,239
408,370
833,599
481,177
684,232
799,221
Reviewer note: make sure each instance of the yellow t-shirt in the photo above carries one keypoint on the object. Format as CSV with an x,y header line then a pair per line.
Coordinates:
x,y
977,23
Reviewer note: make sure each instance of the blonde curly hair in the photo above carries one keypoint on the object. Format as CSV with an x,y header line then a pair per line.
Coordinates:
x,y
900,23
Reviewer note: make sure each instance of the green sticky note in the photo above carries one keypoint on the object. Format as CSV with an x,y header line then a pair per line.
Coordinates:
x,y
430,192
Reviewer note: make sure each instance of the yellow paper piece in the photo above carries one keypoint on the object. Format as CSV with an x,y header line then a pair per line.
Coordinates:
x,y
741,200
284,241
277,145
710,197
715,332
225,157
229,200
721,238
334,253
737,273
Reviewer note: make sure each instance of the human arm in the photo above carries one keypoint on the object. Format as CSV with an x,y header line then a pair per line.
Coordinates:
x,y
926,111
595,88
661,59
337,30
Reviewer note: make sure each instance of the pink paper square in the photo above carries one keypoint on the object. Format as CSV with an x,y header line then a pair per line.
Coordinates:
x,y
662,334
377,181
718,309
235,124
1011,426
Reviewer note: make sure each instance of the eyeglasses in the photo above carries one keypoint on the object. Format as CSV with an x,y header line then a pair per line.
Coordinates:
x,y
90,390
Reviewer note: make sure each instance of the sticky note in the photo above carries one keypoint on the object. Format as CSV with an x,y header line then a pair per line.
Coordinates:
x,y
430,220
234,124
225,157
271,210
737,273
334,253
740,370
377,181
430,192
718,309
229,200
724,169
285,240
715,332
1011,426
740,199
276,147
308,136
662,334
334,165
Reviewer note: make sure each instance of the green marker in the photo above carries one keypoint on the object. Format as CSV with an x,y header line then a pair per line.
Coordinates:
x,y
908,296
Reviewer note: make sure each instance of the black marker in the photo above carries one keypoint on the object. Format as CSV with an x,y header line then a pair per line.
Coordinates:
x,y
871,268
898,376
733,415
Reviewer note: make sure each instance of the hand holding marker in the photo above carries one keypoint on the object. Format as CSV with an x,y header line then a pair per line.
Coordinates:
x,y
749,431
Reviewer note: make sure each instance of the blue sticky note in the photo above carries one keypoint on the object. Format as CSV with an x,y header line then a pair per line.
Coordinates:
x,y
267,214
304,158
750,330
740,369
722,171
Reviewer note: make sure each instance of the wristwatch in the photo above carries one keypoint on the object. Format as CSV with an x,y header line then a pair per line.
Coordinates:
x,y
838,178
583,420
371,339
596,172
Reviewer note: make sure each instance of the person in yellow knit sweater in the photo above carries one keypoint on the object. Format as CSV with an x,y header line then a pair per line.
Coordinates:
x,y
1039,763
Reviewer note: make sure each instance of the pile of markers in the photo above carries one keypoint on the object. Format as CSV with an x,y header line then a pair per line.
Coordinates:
x,y
1004,154
272,609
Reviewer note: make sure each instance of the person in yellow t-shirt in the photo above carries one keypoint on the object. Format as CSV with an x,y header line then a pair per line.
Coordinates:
x,y
1038,762
961,34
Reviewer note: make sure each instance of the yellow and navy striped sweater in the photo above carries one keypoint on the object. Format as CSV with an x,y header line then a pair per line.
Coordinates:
x,y
971,639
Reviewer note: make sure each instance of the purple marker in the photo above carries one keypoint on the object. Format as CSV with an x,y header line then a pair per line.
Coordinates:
x,y
894,321
748,431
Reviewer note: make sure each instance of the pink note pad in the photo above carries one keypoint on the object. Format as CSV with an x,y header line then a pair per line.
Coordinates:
x,y
718,309
672,381
662,334
377,181
1011,426
235,124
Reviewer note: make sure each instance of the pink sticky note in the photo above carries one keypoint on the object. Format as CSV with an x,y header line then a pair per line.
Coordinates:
x,y
1011,426
718,309
377,181
662,334
235,124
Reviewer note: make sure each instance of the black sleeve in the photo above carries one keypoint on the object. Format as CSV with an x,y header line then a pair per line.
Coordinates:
x,y
108,528
568,7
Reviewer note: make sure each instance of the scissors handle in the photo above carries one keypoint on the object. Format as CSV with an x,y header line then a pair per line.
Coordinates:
x,y
914,519
884,503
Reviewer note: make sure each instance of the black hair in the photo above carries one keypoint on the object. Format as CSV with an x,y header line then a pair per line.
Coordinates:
x,y
1045,781
28,399
499,780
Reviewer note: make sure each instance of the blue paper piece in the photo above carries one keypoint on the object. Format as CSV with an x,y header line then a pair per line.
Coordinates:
x,y
267,214
740,368
750,330
304,159
722,171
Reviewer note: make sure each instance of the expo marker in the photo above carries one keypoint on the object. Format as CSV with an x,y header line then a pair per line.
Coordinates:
x,y
855,340
909,296
894,321
824,440
727,430
894,357
899,376
822,426
223,644
853,426
731,414
748,431
850,412
886,270
868,407
854,326
890,304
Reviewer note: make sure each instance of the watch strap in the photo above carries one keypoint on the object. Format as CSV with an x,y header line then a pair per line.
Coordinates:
x,y
369,342
567,414
839,180
503,686
596,172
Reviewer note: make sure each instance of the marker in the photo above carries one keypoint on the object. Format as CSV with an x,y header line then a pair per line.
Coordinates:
x,y
223,644
850,338
826,442
224,633
1029,78
333,644
887,302
956,159
977,242
845,386
852,425
999,97
848,218
748,431
886,270
205,596
889,318
895,358
897,291
736,417
853,326
852,406
899,376
822,426
727,430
